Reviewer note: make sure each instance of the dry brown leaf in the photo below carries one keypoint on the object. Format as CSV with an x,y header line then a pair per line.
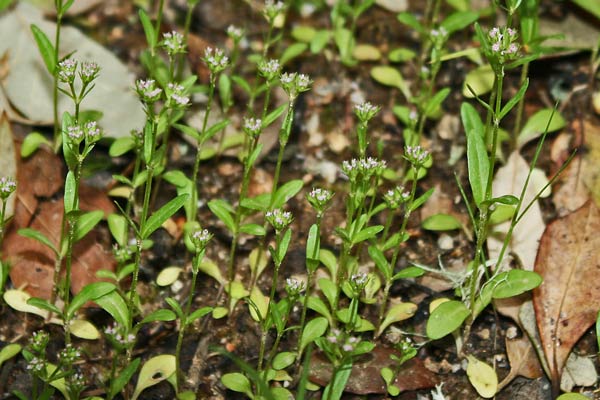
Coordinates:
x,y
366,373
568,299
32,264
523,360
573,193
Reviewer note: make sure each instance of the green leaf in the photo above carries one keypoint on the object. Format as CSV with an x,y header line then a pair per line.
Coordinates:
x,y
114,304
481,80
258,203
71,197
409,19
335,388
284,244
319,41
303,33
120,380
39,236
292,52
419,201
446,318
88,293
254,155
367,233
84,329
45,47
401,54
593,7
175,306
237,382
199,313
117,225
121,146
316,304
44,304
159,315
314,329
477,156
223,211
283,360
516,282
390,76
441,222
167,276
434,103
86,222
286,192
537,124
218,127
381,262
409,272
459,20
514,100
573,396
148,29
273,115
329,289
155,370
397,313
9,351
32,142
162,214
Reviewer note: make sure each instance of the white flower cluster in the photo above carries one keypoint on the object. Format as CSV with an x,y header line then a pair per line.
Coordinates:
x,y
395,197
416,155
235,33
366,167
269,69
293,286
347,344
319,198
279,219
200,238
366,111
252,126
272,9
503,42
216,59
147,90
173,43
175,93
89,71
66,70
294,83
7,186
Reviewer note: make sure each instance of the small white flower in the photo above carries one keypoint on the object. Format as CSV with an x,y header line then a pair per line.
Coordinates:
x,y
7,186
252,126
235,33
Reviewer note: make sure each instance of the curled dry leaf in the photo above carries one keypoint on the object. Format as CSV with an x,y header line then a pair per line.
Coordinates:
x,y
567,301
523,360
366,373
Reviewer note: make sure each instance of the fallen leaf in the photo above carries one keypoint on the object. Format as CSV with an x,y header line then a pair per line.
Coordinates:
x,y
579,371
8,159
525,238
523,360
32,264
482,377
572,193
567,301
28,85
366,373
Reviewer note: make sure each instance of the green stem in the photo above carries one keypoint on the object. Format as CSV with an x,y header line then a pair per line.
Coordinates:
x,y
57,135
200,142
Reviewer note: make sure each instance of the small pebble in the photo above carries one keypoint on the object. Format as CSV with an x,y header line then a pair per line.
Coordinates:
x,y
445,242
511,332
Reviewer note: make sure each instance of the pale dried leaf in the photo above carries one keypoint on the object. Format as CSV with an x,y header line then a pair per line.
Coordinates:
x,y
510,179
28,85
8,159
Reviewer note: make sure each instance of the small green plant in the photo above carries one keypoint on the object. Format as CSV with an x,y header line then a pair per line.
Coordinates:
x,y
7,188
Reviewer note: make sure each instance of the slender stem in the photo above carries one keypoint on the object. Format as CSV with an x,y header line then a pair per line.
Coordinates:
x,y
200,142
161,5
186,313
57,135
520,107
